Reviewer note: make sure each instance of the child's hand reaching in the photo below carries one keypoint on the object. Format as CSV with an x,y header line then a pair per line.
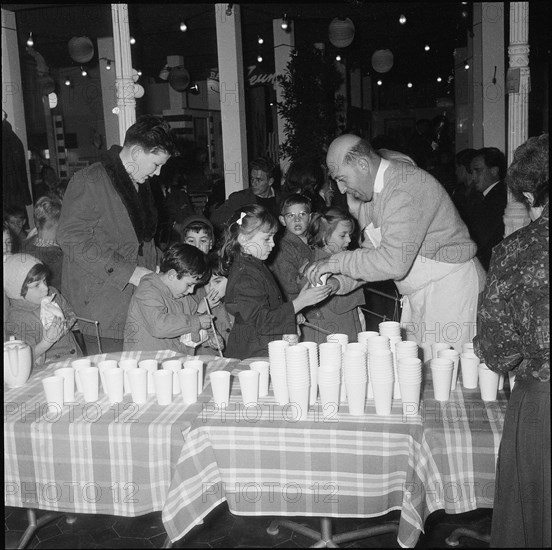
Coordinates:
x,y
204,322
310,296
212,341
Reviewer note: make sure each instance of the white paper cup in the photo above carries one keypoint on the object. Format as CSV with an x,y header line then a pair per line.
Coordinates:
x,y
468,366
77,365
68,375
220,384
196,364
115,385
329,398
356,396
299,402
280,388
138,379
175,366
102,367
90,379
467,347
53,388
151,366
383,397
125,365
436,347
454,356
488,383
188,384
441,373
262,367
249,387
410,392
163,386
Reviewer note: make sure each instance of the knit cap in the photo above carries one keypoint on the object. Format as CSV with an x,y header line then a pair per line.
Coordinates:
x,y
195,219
16,269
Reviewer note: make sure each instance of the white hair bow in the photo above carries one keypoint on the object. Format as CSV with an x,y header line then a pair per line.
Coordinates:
x,y
242,216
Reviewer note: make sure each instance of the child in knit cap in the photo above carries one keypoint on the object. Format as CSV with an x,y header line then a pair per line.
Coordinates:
x,y
38,314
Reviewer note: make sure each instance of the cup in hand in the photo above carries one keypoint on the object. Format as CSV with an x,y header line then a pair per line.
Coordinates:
x,y
68,375
53,388
262,367
249,386
114,384
138,379
151,366
77,365
488,382
175,366
163,381
441,373
196,364
188,384
468,366
220,383
90,379
125,365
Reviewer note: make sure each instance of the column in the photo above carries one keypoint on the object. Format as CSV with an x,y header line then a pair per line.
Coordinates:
x,y
284,43
232,97
109,91
516,215
123,69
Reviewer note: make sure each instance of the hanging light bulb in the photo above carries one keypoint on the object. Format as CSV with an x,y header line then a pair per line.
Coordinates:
x,y
427,48
108,65
68,81
338,57
379,83
409,84
260,39
465,14
260,58
466,65
439,79
402,19
183,26
139,73
285,23
83,71
30,41
132,40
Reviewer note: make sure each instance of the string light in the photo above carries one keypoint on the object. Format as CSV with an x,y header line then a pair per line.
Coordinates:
x,y
68,81
260,58
402,19
409,84
379,82
132,40
439,79
30,41
183,26
466,65
338,57
260,39
427,48
108,65
139,73
83,71
285,23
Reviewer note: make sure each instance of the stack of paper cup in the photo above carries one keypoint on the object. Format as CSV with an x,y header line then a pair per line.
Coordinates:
x,y
150,365
138,379
313,367
175,366
298,380
454,356
362,337
329,377
68,375
102,367
374,344
441,373
393,341
410,380
467,347
249,386
188,384
356,377
196,364
114,382
406,349
263,368
342,339
468,366
390,329
436,347
488,382
380,367
126,365
277,360
90,380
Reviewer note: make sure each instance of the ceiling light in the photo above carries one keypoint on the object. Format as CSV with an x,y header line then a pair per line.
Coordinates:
x,y
260,39
285,23
439,79
260,58
68,82
466,65
132,40
338,57
30,41
427,48
409,84
183,26
108,65
83,71
379,83
139,73
402,19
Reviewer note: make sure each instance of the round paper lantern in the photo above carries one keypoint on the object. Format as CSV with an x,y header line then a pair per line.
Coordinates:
x,y
341,32
81,49
138,91
179,79
382,60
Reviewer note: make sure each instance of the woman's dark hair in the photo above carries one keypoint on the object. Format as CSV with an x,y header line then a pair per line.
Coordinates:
x,y
304,176
152,133
529,171
185,259
37,273
247,221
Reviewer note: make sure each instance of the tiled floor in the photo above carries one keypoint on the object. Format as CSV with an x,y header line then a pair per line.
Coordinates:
x,y
220,530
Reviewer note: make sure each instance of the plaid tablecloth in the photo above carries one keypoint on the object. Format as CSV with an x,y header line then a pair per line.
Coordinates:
x,y
263,463
94,457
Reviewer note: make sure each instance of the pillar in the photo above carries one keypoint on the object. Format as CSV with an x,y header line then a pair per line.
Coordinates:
x,y
232,97
109,91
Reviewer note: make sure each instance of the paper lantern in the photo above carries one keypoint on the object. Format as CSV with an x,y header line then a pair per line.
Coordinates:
x,y
382,60
138,91
179,79
341,32
81,49
135,75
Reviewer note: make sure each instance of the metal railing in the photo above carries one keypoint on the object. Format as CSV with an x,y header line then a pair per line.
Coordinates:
x,y
397,304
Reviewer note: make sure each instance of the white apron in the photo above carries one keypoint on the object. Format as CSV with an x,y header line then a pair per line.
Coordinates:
x,y
439,300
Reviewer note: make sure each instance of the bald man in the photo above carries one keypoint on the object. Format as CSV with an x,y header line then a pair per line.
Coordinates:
x,y
411,233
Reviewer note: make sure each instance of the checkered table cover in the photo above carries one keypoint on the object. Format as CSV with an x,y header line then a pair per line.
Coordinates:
x,y
93,457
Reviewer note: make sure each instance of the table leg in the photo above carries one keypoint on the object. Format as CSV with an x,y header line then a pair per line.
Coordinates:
x,y
35,525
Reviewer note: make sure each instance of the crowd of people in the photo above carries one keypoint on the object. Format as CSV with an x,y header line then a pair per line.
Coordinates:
x,y
276,261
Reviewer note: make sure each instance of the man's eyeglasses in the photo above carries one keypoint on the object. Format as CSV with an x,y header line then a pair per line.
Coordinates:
x,y
296,216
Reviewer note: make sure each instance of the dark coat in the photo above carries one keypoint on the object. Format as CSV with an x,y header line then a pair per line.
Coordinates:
x,y
15,186
261,315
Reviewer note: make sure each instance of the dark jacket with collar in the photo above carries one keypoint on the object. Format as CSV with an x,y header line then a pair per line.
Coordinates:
x,y
261,315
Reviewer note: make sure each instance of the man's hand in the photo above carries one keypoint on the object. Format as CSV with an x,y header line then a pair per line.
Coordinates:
x,y
138,273
315,270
